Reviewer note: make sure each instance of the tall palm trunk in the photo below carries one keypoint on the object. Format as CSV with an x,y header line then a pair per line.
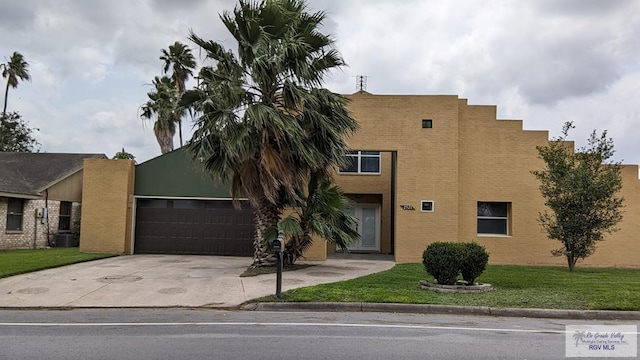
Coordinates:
x,y
165,139
6,98
267,215
180,91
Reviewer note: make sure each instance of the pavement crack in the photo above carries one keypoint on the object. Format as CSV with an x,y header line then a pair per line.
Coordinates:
x,y
87,294
145,269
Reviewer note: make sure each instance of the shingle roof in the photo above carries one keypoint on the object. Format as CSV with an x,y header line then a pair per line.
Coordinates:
x,y
31,173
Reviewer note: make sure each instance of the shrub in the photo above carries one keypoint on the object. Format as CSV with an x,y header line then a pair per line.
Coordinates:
x,y
442,261
473,261
445,260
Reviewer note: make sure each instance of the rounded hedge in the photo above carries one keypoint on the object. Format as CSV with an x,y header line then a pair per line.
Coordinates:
x,y
446,260
473,261
442,260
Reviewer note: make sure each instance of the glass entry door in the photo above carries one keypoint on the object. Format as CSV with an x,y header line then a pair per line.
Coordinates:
x,y
368,227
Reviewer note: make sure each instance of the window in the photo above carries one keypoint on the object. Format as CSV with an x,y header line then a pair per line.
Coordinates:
x,y
225,205
426,205
187,204
14,214
493,218
427,123
64,222
362,162
152,203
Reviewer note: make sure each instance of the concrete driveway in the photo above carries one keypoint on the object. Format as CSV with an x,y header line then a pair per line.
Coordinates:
x,y
167,281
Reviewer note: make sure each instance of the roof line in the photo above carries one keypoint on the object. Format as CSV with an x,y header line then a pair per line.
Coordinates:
x,y
20,196
62,178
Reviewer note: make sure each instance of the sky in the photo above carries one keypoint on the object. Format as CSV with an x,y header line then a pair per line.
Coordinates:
x,y
541,61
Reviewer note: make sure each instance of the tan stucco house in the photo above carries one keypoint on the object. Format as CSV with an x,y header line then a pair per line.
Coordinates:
x,y
423,168
434,168
40,195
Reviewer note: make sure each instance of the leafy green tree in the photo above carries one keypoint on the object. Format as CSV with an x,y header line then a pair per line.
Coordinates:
x,y
14,70
124,155
580,188
180,61
16,135
163,105
263,123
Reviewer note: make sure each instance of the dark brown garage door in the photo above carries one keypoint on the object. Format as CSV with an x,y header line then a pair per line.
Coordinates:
x,y
204,227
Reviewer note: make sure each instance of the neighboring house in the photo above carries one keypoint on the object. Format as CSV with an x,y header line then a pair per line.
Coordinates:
x,y
40,195
422,169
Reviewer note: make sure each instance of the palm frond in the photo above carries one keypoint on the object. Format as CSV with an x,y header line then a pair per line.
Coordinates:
x,y
16,69
262,122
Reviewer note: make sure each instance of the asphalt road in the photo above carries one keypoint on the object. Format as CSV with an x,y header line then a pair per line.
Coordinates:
x,y
214,334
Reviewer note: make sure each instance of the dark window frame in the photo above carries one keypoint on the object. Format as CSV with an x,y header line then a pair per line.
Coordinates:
x,y
64,216
12,214
486,219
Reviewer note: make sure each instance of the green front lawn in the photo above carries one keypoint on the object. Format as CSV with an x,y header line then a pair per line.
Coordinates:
x,y
14,262
514,286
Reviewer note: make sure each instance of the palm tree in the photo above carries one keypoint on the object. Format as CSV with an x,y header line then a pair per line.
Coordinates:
x,y
263,123
179,59
163,104
322,208
14,70
322,212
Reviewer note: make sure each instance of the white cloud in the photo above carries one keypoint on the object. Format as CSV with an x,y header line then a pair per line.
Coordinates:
x,y
542,61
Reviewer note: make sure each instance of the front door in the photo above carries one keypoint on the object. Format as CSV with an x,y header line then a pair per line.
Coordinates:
x,y
368,227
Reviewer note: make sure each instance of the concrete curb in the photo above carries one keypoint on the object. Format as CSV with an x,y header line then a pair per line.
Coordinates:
x,y
444,309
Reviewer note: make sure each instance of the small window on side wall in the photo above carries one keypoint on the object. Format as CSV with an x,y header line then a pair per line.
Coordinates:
x,y
14,214
427,123
493,218
64,221
426,206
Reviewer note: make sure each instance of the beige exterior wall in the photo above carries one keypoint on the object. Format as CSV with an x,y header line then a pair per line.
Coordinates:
x,y
427,163
496,161
317,251
466,157
107,205
69,189
622,248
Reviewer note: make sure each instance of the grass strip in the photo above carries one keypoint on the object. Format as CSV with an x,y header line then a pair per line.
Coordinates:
x,y
15,262
514,287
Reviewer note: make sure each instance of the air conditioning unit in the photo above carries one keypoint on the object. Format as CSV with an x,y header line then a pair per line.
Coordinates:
x,y
66,240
